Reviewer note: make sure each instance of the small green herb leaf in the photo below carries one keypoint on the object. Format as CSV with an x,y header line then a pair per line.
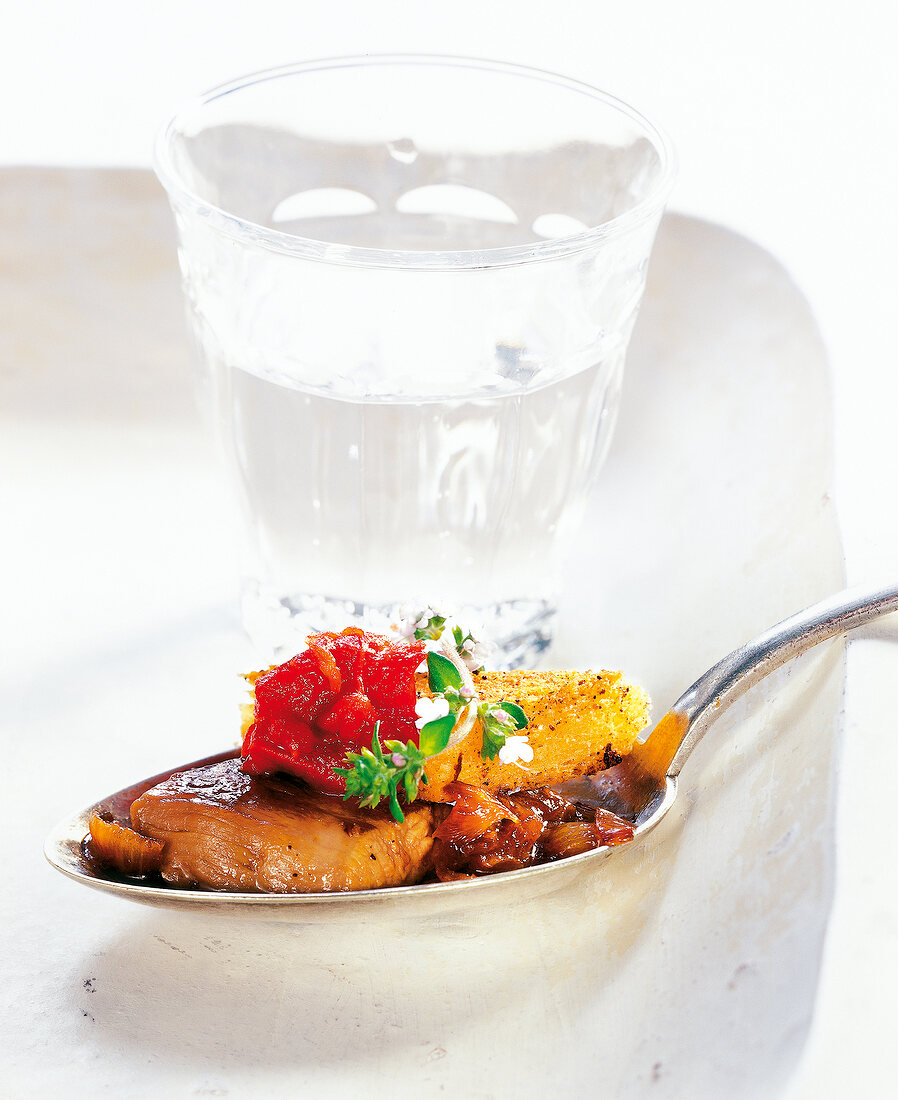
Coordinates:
x,y
493,740
442,673
520,718
434,737
380,772
498,721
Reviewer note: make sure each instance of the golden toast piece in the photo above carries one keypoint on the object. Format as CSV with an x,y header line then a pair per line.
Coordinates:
x,y
579,723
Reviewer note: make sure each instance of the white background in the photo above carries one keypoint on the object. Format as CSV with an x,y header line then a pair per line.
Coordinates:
x,y
783,114
784,117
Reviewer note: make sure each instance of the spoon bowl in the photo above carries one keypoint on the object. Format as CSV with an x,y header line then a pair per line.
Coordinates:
x,y
642,788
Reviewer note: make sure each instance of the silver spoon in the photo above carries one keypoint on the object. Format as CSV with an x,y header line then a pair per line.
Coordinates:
x,y
641,788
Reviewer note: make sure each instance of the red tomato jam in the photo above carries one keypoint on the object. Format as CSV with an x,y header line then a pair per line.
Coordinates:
x,y
325,702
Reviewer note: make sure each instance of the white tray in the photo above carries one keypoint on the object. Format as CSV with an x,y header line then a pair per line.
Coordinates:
x,y
687,967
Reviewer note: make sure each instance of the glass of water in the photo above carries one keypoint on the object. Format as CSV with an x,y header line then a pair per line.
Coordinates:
x,y
413,281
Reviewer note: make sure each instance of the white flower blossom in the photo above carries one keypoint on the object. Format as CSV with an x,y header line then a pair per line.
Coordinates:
x,y
474,653
424,618
430,710
408,618
516,748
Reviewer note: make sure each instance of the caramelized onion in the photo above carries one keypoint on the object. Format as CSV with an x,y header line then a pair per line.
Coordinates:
x,y
122,848
550,805
444,864
613,829
484,832
569,838
475,811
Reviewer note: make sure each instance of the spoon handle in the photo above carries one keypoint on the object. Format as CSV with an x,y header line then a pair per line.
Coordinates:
x,y
697,708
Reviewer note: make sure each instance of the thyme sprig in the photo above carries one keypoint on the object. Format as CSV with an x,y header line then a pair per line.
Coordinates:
x,y
382,771
391,768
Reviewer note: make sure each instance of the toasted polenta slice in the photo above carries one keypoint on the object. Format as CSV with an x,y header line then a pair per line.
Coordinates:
x,y
579,723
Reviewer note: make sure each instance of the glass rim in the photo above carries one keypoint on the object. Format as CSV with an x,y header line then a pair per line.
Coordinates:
x,y
243,229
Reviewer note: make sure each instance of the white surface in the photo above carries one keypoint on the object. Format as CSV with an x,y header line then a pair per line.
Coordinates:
x,y
687,966
782,114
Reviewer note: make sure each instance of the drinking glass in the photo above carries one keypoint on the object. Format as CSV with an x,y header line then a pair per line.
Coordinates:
x,y
413,280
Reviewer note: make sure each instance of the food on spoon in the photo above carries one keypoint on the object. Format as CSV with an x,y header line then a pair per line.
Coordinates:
x,y
312,710
578,723
326,701
224,830
359,771
484,833
118,846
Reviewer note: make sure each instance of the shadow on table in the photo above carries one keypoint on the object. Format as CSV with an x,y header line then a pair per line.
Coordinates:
x,y
518,990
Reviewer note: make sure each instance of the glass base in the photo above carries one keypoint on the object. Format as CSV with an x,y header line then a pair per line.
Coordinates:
x,y
517,632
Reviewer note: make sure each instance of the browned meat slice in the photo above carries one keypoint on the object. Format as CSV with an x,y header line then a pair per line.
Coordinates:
x,y
225,830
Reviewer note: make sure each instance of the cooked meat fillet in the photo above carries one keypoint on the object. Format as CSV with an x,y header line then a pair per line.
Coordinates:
x,y
225,830
579,723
